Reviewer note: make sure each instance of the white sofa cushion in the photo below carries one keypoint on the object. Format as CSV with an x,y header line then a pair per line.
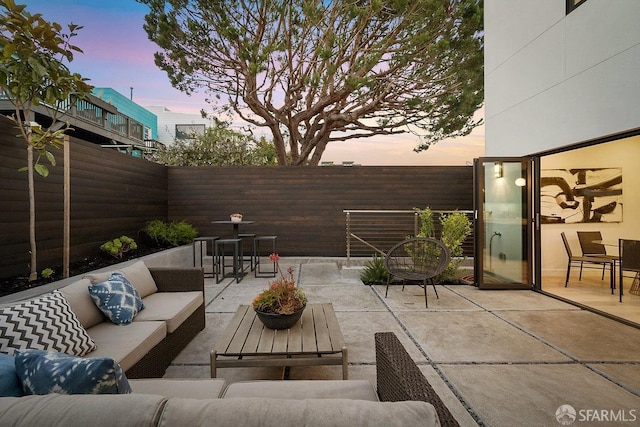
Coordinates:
x,y
249,412
105,410
126,344
78,297
171,307
304,389
137,273
140,277
191,388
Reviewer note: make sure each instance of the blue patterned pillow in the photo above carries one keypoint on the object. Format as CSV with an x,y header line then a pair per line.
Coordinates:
x,y
117,299
9,381
44,372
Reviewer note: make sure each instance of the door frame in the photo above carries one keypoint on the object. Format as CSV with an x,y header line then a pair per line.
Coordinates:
x,y
531,167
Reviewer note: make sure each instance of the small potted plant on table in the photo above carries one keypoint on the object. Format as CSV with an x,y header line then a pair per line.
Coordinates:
x,y
281,305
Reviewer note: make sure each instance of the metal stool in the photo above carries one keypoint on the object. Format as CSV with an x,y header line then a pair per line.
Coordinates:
x,y
200,241
252,256
237,262
258,272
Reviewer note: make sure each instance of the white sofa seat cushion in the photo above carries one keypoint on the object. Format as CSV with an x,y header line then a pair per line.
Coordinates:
x,y
247,412
171,307
126,344
190,388
304,389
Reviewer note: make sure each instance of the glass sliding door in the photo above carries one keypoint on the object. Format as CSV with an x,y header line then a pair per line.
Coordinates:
x,y
503,223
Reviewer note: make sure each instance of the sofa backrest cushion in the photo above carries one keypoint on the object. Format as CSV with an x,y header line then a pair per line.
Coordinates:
x,y
247,412
140,277
77,295
105,410
44,323
303,389
9,381
137,273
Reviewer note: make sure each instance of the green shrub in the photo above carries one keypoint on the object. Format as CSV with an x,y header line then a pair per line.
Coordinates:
x,y
455,229
180,233
118,247
374,272
47,273
171,234
156,230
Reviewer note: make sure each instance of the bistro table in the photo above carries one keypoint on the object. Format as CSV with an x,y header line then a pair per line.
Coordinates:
x,y
236,225
237,265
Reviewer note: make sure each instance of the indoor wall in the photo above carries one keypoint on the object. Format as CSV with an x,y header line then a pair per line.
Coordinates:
x,y
617,154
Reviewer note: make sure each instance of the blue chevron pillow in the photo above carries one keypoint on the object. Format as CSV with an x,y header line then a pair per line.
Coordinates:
x,y
45,323
117,299
44,372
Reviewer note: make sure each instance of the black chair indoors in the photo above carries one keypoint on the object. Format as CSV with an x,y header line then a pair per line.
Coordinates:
x,y
630,263
590,261
418,259
591,246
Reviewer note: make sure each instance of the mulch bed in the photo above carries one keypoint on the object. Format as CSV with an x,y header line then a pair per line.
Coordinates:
x,y
11,285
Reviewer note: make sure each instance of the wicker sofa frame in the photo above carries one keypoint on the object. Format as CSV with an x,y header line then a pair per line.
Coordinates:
x,y
399,378
171,279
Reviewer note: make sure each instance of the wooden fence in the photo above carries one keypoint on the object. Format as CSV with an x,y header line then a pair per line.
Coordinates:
x,y
111,194
114,194
304,206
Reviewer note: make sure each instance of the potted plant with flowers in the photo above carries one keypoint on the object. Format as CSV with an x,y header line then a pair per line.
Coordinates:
x,y
281,305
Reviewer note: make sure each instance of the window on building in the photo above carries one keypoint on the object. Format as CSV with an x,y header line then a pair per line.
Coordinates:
x,y
190,131
572,4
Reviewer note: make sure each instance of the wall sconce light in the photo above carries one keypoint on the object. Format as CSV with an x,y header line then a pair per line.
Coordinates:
x,y
497,169
521,182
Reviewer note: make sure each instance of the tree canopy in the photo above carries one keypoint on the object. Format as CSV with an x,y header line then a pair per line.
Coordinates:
x,y
313,72
218,146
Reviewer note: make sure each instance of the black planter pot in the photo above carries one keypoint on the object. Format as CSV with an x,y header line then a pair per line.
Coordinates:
x,y
279,321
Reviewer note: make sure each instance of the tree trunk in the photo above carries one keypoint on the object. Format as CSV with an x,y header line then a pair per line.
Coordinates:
x,y
32,212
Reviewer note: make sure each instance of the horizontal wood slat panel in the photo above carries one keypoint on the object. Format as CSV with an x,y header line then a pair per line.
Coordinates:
x,y
114,194
111,194
304,206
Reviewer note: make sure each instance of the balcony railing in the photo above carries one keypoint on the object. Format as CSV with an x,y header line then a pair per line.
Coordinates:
x,y
103,115
376,231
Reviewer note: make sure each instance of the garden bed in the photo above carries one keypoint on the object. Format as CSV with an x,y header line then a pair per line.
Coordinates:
x,y
14,284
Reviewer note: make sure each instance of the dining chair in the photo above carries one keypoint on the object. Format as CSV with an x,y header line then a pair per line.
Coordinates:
x,y
591,246
419,259
581,260
629,262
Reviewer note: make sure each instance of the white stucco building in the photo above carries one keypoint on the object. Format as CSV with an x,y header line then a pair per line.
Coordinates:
x,y
562,92
181,125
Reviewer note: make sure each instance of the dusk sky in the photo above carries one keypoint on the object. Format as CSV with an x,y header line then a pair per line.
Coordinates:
x,y
118,54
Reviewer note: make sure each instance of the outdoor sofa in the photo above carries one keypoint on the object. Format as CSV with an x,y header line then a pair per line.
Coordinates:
x,y
403,398
173,314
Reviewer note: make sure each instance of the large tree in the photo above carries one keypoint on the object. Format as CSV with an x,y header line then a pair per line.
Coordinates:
x,y
319,71
33,73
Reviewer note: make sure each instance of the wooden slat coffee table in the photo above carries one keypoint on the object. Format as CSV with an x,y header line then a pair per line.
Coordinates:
x,y
315,340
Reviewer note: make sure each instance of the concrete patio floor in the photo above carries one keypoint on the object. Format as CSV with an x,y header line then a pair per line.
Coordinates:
x,y
496,358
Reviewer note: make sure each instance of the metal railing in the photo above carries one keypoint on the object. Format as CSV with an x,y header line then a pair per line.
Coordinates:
x,y
376,231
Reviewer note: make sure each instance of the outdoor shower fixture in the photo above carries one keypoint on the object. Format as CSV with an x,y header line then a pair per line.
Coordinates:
x,y
495,233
